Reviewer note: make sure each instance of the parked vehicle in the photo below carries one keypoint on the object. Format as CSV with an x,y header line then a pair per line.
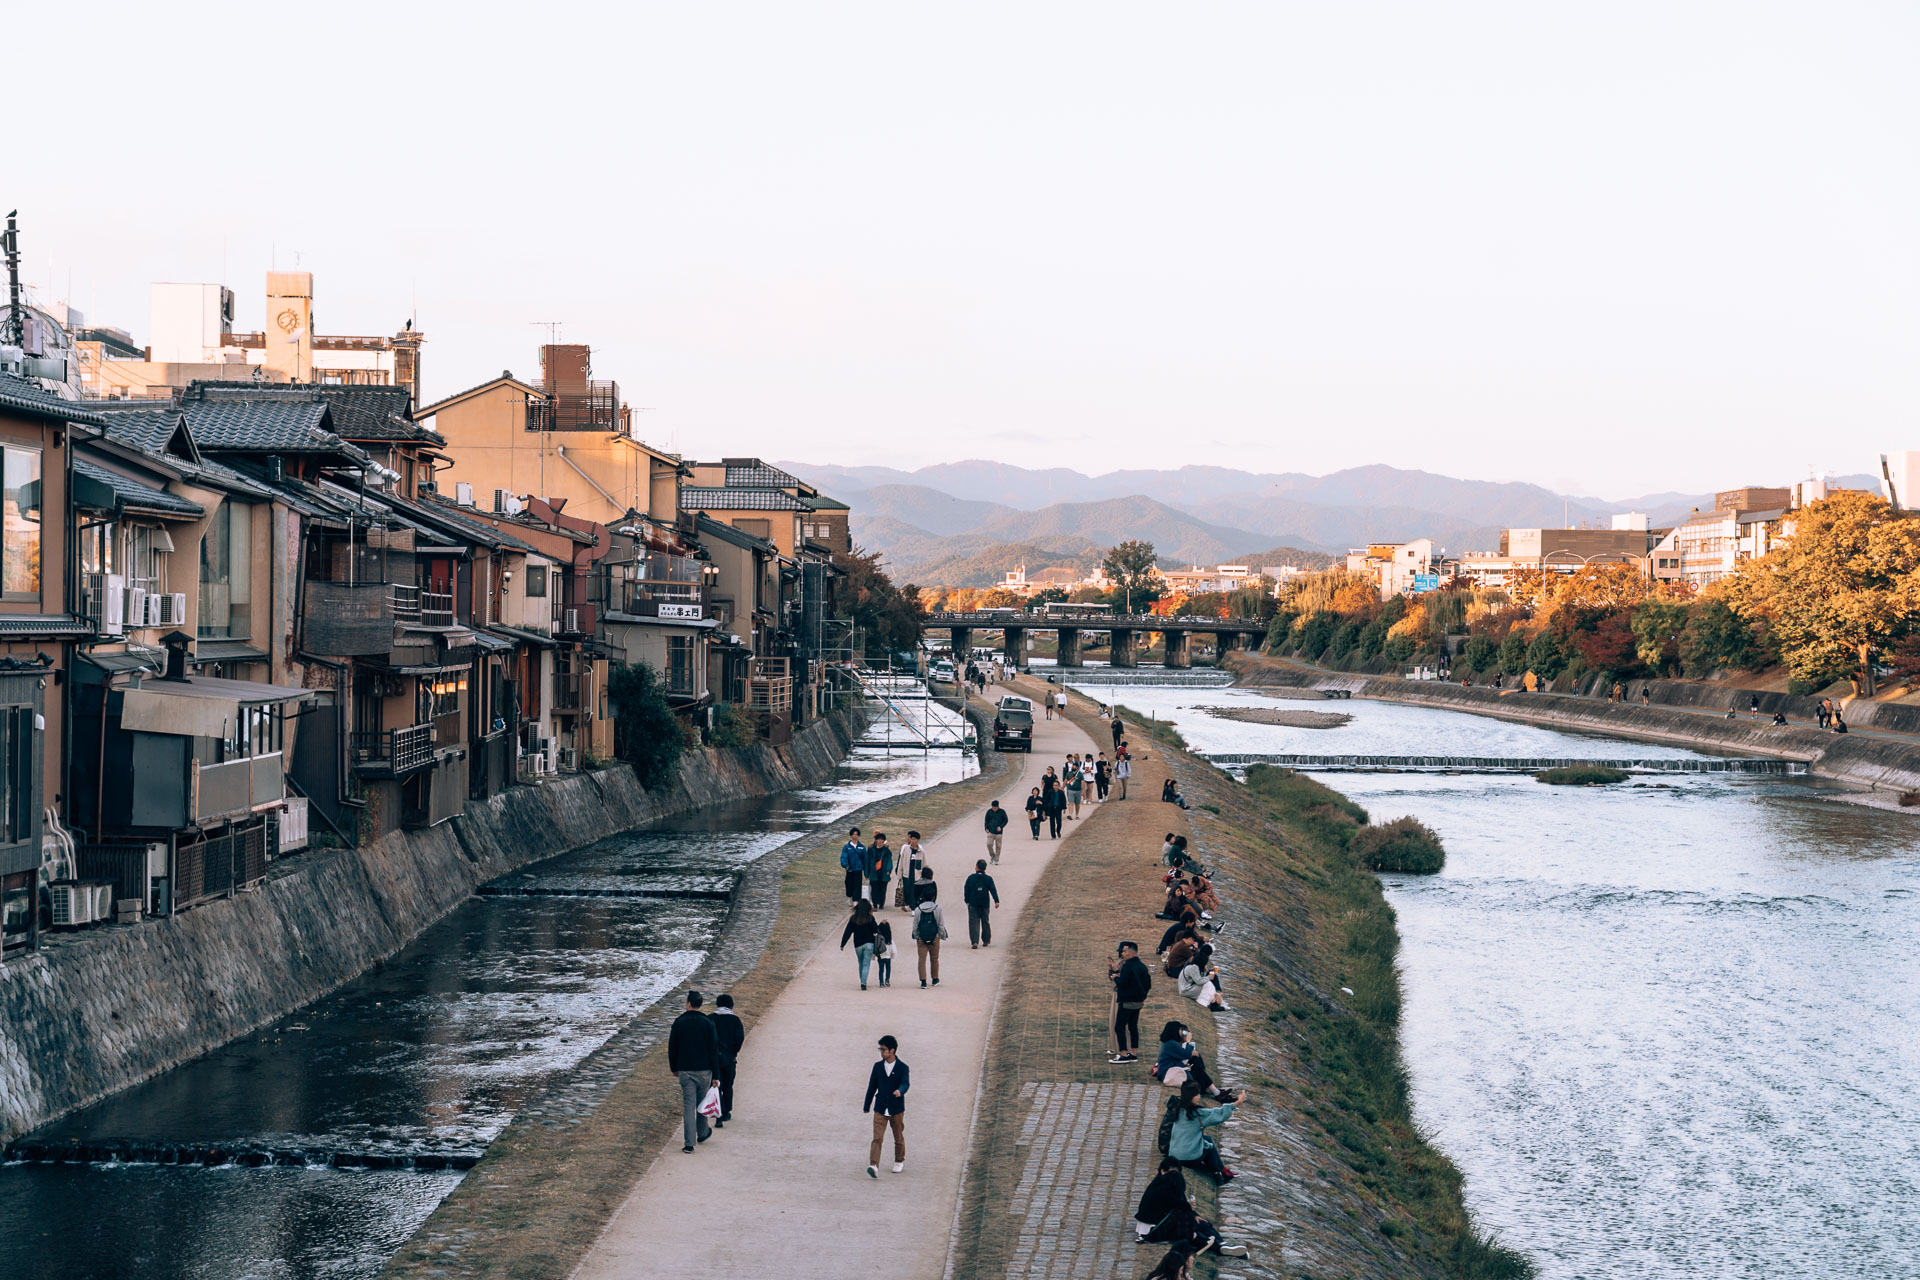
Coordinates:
x,y
1013,727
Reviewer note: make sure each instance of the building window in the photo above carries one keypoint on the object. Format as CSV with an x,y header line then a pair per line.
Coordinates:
x,y
680,665
226,573
537,581
18,748
20,574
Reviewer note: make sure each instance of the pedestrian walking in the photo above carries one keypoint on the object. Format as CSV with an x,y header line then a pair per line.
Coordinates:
x,y
1102,776
1056,809
1122,770
1131,984
929,927
996,824
1119,727
853,861
879,868
1048,700
692,1054
1036,812
883,951
862,930
887,1086
1073,791
1086,779
914,860
1062,703
732,1035
981,895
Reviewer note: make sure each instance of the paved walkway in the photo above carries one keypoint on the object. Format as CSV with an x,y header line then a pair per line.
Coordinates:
x,y
783,1189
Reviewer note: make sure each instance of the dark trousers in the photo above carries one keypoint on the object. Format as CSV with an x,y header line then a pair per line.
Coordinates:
x,y
1053,822
724,1078
854,881
1034,822
1126,1028
979,925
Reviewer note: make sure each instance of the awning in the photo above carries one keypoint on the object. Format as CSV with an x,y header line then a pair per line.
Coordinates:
x,y
134,659
43,624
487,642
636,620
199,706
534,638
227,651
415,668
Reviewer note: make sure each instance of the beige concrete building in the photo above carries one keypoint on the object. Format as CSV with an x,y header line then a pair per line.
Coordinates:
x,y
1394,567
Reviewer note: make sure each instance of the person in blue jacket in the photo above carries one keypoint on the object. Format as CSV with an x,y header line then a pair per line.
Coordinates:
x,y
887,1086
853,861
1189,1143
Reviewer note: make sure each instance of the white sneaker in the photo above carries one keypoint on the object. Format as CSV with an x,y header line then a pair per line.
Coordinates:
x,y
900,1167
873,1171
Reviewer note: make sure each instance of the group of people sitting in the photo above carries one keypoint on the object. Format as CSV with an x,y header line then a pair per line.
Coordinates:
x,y
1165,1214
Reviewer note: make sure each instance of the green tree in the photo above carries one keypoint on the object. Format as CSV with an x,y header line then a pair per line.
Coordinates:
x,y
1657,625
1343,641
1545,657
1717,637
645,733
1478,653
1845,587
1513,652
1135,573
1317,634
1280,629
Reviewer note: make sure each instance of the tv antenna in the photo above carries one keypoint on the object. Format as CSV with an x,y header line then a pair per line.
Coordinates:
x,y
553,328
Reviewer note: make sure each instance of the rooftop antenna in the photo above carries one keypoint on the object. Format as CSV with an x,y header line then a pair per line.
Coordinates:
x,y
13,330
552,327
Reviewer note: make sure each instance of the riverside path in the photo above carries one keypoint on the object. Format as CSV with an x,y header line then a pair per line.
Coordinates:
x,y
783,1189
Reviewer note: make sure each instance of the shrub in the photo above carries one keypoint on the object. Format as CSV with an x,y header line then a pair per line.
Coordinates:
x,y
732,729
1298,791
1316,633
1403,845
1545,658
1161,731
645,733
1513,652
1582,775
1478,653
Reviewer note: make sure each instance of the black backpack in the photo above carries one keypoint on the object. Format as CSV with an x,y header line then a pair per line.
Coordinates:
x,y
926,928
1165,1136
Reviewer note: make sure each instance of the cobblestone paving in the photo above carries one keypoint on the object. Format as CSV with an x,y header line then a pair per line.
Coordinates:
x,y
1089,1153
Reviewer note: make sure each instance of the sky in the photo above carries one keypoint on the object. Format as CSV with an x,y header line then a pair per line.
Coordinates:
x,y
1611,249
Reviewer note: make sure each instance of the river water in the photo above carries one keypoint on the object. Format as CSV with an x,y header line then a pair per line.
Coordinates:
x,y
431,1054
1669,1029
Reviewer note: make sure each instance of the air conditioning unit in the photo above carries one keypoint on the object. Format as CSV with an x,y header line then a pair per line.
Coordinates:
x,y
429,488
534,763
569,759
72,904
500,499
136,611
572,620
152,606
463,493
173,609
113,614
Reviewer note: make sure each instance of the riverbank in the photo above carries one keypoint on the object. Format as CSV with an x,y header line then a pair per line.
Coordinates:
x,y
1885,766
1333,1178
549,1185
96,1012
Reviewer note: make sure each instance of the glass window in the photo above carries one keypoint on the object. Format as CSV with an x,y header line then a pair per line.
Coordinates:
x,y
20,573
680,665
537,580
226,573
18,747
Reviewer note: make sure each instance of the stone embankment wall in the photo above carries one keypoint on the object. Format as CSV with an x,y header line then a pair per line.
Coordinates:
x,y
98,1011
1855,758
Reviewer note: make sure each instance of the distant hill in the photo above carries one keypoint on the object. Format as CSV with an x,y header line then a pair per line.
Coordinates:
x,y
985,564
1274,557
922,507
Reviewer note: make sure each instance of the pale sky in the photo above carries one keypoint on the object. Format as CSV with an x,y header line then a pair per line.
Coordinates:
x,y
1608,248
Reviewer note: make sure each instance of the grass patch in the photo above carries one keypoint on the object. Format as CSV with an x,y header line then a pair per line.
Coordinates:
x,y
1349,1044
1160,731
1404,845
1582,775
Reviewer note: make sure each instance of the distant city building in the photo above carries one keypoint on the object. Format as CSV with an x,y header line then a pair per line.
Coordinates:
x,y
1195,581
1396,567
1898,473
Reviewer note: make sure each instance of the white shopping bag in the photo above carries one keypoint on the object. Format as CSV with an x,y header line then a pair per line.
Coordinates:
x,y
710,1105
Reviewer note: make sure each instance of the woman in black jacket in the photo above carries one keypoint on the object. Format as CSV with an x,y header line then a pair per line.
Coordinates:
x,y
861,929
1166,1216
1036,812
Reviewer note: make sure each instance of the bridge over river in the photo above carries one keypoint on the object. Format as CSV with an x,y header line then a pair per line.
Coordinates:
x,y
1121,630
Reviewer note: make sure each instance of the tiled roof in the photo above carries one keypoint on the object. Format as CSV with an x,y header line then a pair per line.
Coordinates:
x,y
18,395
374,413
695,498
133,495
228,424
142,424
450,515
710,528
758,475
821,502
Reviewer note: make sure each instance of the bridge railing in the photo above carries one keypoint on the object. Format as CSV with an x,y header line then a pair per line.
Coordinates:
x,y
1123,621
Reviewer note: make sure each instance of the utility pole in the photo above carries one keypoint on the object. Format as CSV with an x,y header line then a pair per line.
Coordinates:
x,y
14,330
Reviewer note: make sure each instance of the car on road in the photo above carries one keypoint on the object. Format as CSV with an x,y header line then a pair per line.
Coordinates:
x,y
1013,728
941,672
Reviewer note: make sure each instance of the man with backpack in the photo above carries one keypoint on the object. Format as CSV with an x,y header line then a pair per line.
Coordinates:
x,y
929,926
996,823
981,896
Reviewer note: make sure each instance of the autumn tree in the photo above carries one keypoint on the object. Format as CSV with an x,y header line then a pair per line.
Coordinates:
x,y
893,617
1844,588
1135,573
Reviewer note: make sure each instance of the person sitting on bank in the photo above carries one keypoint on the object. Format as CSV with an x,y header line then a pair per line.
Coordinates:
x,y
1181,953
1187,926
1200,980
1166,1216
1189,1143
1179,1060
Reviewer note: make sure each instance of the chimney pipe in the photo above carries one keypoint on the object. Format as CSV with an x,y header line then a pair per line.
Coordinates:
x,y
176,643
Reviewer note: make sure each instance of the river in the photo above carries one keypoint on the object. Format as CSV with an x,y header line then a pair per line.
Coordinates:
x,y
429,1055
1668,1029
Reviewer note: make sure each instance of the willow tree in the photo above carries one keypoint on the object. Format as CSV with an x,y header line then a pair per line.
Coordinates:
x,y
1844,588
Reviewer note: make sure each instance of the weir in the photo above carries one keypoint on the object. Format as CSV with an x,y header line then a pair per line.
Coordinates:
x,y
1505,764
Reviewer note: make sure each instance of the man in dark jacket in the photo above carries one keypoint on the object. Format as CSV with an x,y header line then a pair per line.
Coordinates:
x,y
981,897
1131,983
887,1087
731,1035
996,823
693,1051
1056,799
879,868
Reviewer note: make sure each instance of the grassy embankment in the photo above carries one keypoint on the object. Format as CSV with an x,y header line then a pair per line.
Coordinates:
x,y
1341,1017
1144,725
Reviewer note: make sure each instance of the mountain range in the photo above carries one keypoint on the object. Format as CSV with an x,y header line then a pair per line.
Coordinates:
x,y
973,520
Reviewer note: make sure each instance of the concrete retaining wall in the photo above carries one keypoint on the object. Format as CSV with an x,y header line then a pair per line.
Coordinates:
x,y
97,1011
1854,758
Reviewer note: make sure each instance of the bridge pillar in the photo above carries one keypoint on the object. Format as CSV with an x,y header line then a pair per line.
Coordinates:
x,y
1015,647
962,641
1225,642
1120,651
1179,650
1067,654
